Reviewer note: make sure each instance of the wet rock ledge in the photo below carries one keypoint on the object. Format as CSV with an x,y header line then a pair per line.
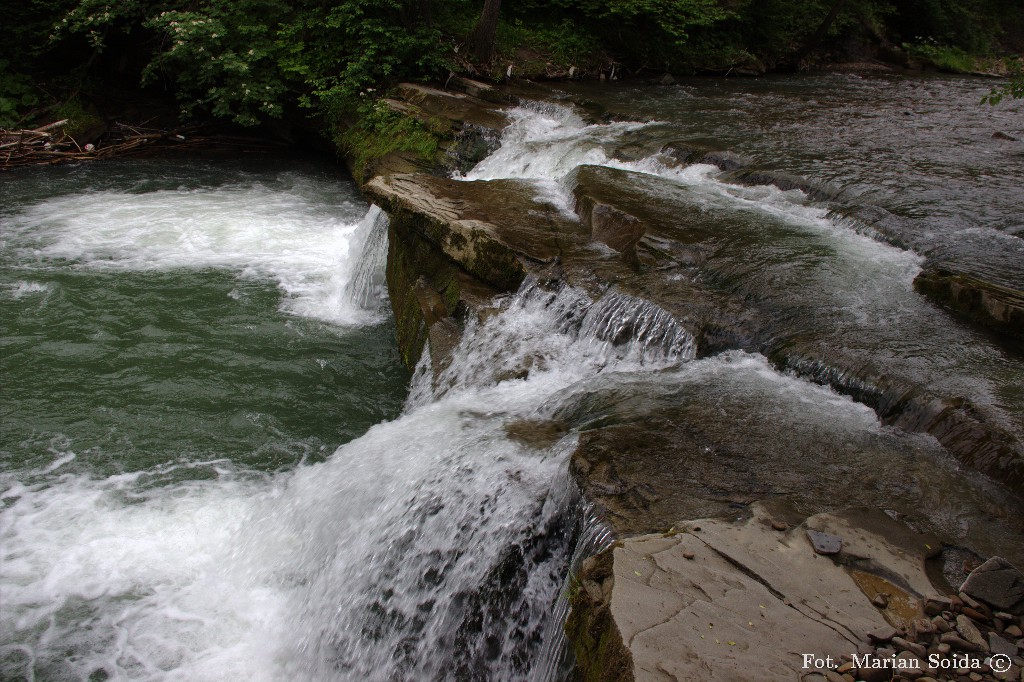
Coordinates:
x,y
749,532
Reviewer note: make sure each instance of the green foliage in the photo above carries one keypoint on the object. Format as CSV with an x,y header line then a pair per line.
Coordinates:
x,y
652,33
16,95
249,61
343,50
78,116
562,42
973,26
1014,89
381,131
951,59
223,60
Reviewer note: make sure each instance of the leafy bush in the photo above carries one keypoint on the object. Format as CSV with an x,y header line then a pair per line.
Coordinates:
x,y
381,131
16,95
1014,89
951,59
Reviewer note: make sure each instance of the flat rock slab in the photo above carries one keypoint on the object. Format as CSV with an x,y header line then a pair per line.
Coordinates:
x,y
751,602
825,543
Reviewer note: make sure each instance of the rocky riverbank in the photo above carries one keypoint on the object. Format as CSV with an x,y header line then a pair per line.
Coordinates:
x,y
748,589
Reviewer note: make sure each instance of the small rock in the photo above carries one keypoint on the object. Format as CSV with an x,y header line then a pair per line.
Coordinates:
x,y
975,677
933,606
779,525
845,668
914,665
970,632
999,583
956,603
833,676
1003,615
880,600
1000,135
976,615
998,645
944,648
912,647
688,555
968,601
825,543
1013,631
874,675
955,640
923,626
941,624
883,634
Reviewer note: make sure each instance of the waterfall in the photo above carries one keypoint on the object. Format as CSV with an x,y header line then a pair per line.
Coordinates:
x,y
436,546
366,288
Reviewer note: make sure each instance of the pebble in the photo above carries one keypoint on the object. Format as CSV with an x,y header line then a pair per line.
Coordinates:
x,y
954,640
825,543
958,624
912,647
688,555
998,645
975,614
933,606
969,601
970,632
923,626
779,525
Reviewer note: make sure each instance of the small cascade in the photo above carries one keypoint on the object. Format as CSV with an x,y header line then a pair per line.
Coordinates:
x,y
623,320
457,535
543,330
367,288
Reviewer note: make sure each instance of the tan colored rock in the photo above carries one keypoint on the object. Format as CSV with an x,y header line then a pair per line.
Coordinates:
x,y
751,599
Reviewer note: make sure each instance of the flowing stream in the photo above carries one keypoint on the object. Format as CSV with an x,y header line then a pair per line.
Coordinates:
x,y
214,467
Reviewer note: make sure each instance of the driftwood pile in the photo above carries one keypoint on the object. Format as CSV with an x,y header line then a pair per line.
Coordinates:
x,y
51,144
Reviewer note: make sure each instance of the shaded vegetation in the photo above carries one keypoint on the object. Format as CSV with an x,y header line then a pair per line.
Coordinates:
x,y
254,61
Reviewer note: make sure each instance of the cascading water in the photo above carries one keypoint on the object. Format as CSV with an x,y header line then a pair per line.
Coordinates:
x,y
434,546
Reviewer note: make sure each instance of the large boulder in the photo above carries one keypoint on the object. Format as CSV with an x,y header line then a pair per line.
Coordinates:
x,y
997,582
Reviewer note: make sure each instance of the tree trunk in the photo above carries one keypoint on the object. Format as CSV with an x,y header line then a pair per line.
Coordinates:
x,y
486,27
819,35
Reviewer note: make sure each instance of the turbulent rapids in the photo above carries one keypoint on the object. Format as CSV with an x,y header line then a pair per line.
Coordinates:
x,y
214,466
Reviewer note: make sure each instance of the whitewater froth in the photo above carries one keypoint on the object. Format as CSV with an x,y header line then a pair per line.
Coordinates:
x,y
307,240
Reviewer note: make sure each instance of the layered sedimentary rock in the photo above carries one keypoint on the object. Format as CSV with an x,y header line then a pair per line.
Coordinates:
x,y
652,459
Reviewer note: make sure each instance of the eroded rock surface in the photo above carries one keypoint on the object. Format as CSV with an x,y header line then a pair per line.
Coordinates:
x,y
720,600
714,603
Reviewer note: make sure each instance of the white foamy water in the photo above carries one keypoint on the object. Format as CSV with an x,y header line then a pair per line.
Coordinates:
x,y
546,142
22,289
433,547
288,234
